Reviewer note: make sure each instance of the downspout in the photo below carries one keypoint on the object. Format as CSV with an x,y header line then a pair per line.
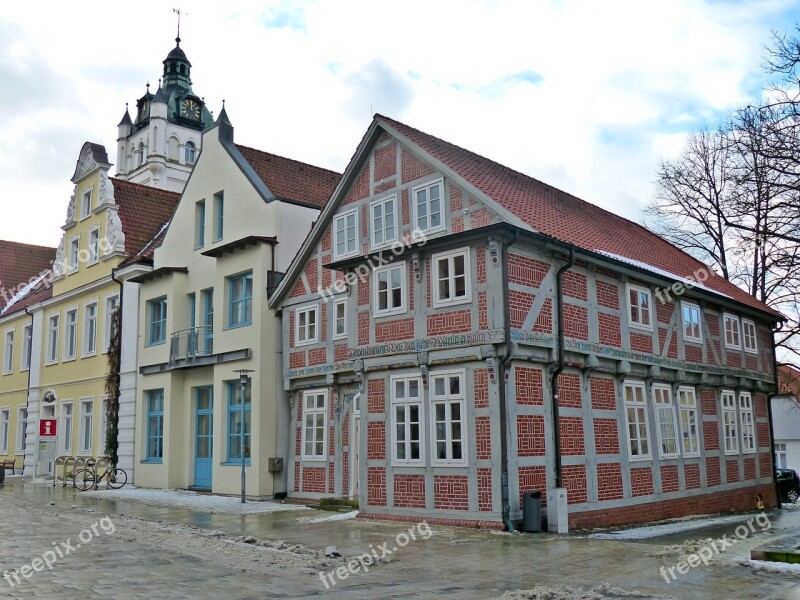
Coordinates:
x,y
777,392
501,372
28,396
560,366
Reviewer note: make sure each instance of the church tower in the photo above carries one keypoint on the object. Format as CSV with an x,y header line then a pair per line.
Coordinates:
x,y
159,147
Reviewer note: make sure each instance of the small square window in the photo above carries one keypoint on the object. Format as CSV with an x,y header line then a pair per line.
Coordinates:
x,y
390,290
450,278
306,325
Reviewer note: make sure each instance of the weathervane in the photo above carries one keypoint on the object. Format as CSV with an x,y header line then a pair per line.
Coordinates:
x,y
177,11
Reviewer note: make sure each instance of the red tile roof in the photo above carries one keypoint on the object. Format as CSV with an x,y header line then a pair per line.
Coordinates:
x,y
565,217
19,263
290,179
39,293
143,211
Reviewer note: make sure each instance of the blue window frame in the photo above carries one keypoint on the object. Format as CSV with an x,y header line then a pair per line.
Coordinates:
x,y
200,224
155,425
235,422
157,319
219,215
240,300
208,321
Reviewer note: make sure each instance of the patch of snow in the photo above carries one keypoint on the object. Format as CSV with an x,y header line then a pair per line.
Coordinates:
x,y
568,592
652,531
24,290
193,500
790,506
334,517
772,567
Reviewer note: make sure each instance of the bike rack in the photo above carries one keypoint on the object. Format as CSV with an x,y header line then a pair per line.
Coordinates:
x,y
66,462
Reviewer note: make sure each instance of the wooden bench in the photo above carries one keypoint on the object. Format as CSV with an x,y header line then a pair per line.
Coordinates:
x,y
8,464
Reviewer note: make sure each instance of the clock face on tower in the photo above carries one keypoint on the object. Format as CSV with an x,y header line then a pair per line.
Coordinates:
x,y
190,109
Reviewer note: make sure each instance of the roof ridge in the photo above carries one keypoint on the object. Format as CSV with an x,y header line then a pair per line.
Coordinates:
x,y
294,160
27,245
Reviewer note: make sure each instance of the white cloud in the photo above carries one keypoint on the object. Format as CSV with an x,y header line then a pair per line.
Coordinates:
x,y
587,96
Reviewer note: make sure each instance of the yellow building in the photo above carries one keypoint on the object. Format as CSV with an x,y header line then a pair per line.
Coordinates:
x,y
22,269
108,221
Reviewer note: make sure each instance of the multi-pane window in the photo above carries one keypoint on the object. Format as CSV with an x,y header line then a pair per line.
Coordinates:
x,y
780,456
236,422
86,204
636,420
747,422
5,416
240,300
729,422
406,400
448,408
66,427
86,425
189,153
112,304
306,325
639,306
157,321
70,334
450,276
687,410
666,419
94,245
219,215
428,205
749,336
52,339
27,338
200,224
154,443
384,221
340,319
345,234
22,423
74,248
691,323
314,424
90,329
731,324
390,289
8,357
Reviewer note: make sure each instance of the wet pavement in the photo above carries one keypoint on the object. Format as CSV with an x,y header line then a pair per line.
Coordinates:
x,y
455,563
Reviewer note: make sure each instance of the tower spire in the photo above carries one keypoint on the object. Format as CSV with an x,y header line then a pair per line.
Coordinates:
x,y
177,11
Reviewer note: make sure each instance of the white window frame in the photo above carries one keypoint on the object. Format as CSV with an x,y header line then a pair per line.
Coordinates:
x,y
101,443
27,340
94,245
733,345
376,275
639,324
639,408
780,455
448,400
692,308
8,351
730,422
52,342
65,444
406,403
86,210
666,418
382,203
434,278
111,301
442,205
336,320
82,424
315,412
747,423
74,252
90,329
73,310
308,309
343,217
688,415
5,428
747,323
22,424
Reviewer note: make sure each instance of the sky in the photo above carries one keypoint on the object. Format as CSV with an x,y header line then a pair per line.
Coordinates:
x,y
584,95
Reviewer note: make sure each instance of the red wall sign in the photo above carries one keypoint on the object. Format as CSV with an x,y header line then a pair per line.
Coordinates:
x,y
47,427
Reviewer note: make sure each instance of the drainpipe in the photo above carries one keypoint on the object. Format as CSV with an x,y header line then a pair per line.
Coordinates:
x,y
28,397
501,372
777,392
560,367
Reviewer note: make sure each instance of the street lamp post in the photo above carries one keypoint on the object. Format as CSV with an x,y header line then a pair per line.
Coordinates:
x,y
243,379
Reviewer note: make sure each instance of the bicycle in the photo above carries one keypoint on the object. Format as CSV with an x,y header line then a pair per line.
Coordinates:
x,y
88,478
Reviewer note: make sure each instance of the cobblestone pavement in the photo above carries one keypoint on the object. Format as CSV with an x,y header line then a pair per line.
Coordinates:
x,y
172,553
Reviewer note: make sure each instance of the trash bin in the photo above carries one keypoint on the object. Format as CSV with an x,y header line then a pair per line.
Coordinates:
x,y
532,512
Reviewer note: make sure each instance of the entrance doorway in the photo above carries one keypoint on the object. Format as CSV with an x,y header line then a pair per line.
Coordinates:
x,y
203,437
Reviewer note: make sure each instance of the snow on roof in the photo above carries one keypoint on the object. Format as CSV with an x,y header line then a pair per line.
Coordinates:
x,y
24,290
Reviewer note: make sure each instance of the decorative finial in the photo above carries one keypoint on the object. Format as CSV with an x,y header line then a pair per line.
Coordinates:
x,y
148,86
159,82
177,11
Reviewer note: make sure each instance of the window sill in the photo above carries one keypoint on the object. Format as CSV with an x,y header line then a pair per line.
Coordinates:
x,y
449,303
449,465
389,313
316,459
640,327
691,455
89,354
305,343
751,351
235,463
640,458
238,326
70,359
161,343
689,340
727,347
152,461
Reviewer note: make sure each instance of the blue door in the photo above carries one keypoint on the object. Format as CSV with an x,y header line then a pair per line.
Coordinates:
x,y
204,437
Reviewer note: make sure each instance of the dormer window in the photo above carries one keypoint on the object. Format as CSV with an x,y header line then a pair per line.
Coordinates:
x,y
189,154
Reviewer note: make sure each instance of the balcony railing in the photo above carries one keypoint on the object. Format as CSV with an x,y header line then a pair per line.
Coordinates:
x,y
189,343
